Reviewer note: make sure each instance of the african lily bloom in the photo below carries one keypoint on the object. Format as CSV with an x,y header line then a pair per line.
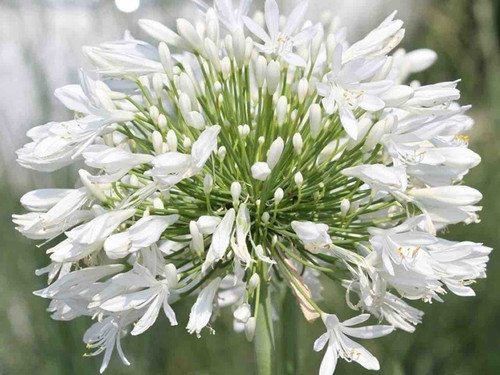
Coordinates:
x,y
247,155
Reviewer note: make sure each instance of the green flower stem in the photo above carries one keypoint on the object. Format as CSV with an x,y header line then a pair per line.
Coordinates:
x,y
289,339
264,333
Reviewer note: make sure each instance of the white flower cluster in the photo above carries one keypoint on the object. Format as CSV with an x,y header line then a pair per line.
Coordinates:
x,y
247,154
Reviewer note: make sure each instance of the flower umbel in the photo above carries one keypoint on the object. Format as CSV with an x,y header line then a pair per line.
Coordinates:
x,y
229,168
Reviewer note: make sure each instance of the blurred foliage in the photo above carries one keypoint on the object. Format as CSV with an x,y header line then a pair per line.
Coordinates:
x,y
459,337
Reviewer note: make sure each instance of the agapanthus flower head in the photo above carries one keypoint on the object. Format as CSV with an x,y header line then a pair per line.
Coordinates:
x,y
243,155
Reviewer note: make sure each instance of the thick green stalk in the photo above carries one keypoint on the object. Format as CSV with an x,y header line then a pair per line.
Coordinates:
x,y
264,335
289,342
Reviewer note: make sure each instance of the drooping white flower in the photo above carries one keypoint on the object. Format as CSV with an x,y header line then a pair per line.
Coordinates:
x,y
151,293
338,344
314,236
201,312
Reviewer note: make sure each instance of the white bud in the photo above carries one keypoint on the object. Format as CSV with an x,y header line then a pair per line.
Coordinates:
x,y
250,326
260,71
166,60
217,87
273,73
239,46
212,26
154,112
196,238
254,282
364,126
316,44
226,67
302,90
275,151
243,131
134,181
190,35
278,196
261,140
186,86
221,152
228,43
213,54
158,204
281,110
158,84
235,191
242,313
184,105
196,120
172,141
345,205
377,132
94,189
299,179
260,171
162,122
298,143
331,43
187,143
265,217
157,140
248,50
293,115
315,119
208,184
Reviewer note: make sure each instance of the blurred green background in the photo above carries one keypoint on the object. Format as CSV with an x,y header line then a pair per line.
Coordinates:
x,y
40,42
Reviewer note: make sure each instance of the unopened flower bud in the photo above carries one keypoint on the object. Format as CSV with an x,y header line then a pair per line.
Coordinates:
x,y
162,122
278,196
154,112
235,191
261,171
298,143
157,140
242,313
254,282
275,151
239,46
345,205
221,152
260,70
166,60
315,119
158,204
265,217
299,179
226,67
250,326
172,141
281,110
302,90
208,184
273,73
190,35
187,143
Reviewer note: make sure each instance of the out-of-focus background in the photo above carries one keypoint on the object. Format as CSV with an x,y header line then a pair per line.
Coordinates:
x,y
40,44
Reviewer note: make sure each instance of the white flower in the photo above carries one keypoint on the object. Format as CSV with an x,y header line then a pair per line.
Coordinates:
x,y
239,165
282,42
220,240
314,236
379,177
201,312
153,294
340,345
172,167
